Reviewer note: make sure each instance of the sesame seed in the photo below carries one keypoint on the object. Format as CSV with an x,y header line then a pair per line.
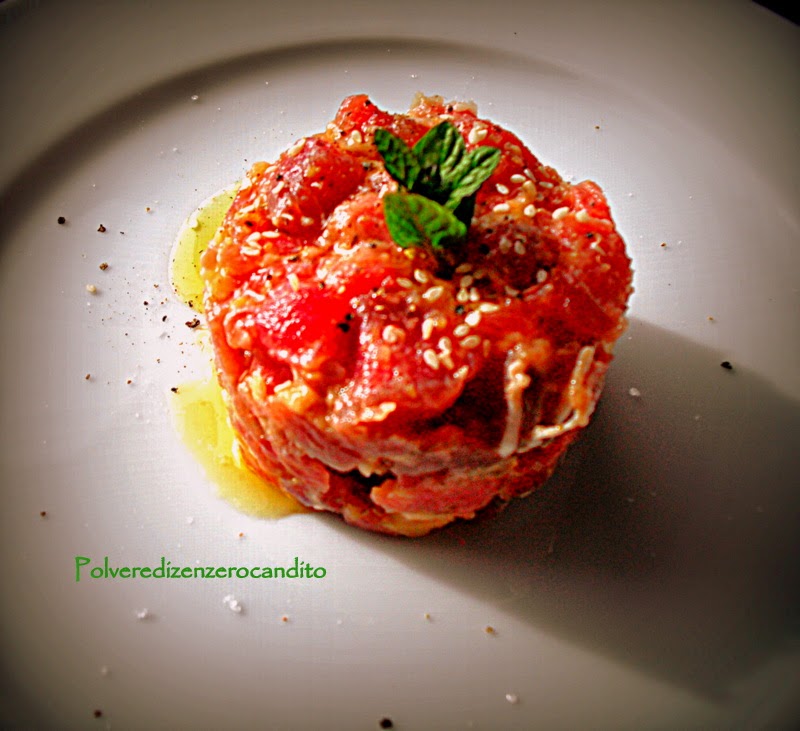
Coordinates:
x,y
385,408
421,276
502,208
428,325
541,276
392,334
474,295
307,221
462,372
480,273
488,307
461,330
582,216
517,178
279,187
559,213
270,234
470,342
431,358
477,134
462,296
545,184
296,147
512,698
464,268
433,294
473,318
446,361
294,282
635,392
511,292
404,282
505,245
529,173
466,281
355,138
445,345
253,237
91,289
529,210
519,248
502,189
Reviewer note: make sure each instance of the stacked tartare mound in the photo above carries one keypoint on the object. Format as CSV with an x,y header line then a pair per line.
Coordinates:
x,y
404,386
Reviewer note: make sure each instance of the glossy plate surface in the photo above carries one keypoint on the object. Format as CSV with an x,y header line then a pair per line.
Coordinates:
x,y
652,584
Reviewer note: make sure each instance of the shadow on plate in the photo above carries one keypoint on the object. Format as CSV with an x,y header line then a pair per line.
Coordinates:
x,y
668,539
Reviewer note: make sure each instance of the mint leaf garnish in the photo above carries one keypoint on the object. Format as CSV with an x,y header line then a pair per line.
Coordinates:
x,y
414,220
400,162
481,163
439,180
440,152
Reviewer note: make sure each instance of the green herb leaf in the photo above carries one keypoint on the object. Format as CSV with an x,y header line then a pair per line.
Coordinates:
x,y
439,181
400,162
439,152
414,220
481,163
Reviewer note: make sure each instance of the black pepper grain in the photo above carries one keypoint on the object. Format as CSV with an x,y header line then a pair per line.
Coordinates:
x,y
61,220
726,364
386,723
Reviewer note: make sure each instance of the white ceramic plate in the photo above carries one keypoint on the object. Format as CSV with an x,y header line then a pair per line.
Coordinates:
x,y
652,584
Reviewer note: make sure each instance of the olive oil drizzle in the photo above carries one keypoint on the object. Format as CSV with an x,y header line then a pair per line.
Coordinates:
x,y
198,410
